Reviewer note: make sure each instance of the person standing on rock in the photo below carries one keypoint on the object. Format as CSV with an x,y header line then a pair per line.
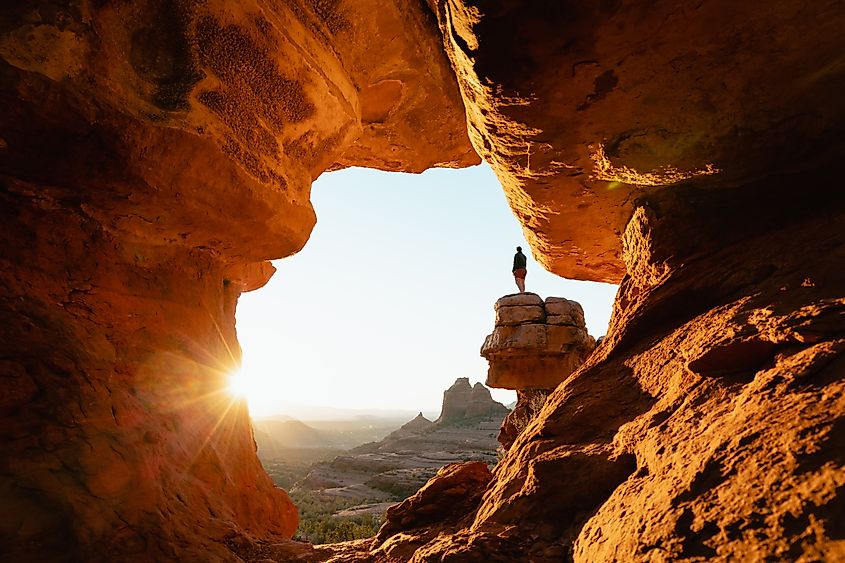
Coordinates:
x,y
519,270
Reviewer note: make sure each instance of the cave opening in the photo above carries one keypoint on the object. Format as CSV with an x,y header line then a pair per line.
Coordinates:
x,y
155,154
368,325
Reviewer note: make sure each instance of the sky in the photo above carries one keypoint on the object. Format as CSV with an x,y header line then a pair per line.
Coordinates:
x,y
392,296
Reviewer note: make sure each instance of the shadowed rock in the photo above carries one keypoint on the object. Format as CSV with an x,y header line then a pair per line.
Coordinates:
x,y
152,153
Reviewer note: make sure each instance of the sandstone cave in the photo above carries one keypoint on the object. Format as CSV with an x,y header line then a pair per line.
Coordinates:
x,y
155,154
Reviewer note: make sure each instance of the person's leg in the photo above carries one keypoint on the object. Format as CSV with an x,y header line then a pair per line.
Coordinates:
x,y
520,283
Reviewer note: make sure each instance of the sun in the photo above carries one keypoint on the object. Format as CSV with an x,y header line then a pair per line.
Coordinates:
x,y
260,386
240,385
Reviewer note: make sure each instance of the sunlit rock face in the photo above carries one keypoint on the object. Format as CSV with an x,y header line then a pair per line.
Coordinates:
x,y
153,155
534,346
585,108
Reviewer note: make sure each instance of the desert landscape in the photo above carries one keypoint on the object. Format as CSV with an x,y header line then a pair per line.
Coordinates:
x,y
334,477
156,155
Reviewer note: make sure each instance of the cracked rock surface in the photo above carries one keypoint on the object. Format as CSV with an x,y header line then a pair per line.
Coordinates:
x,y
154,154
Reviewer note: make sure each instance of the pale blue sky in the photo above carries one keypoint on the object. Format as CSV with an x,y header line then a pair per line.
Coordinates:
x,y
391,298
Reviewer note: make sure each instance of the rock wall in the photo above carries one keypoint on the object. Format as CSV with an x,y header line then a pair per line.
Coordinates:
x,y
153,155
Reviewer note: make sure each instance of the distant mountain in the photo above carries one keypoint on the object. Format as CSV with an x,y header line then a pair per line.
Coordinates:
x,y
277,434
308,413
294,434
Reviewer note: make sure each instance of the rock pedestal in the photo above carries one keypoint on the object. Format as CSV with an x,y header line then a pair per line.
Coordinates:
x,y
535,344
533,347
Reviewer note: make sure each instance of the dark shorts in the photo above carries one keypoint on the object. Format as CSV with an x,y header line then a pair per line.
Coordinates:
x,y
520,273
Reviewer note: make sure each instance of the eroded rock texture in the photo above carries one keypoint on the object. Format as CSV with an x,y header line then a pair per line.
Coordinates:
x,y
584,108
153,155
534,346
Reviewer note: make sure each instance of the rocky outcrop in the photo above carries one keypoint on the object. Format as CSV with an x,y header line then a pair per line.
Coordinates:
x,y
535,344
151,151
455,400
153,155
481,403
462,401
529,403
454,492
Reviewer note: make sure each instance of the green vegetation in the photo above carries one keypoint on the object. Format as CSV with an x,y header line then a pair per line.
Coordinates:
x,y
333,529
318,524
317,521
290,465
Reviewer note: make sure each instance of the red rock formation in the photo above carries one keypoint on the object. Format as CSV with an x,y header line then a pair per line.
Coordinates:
x,y
711,413
462,401
154,153
534,346
706,426
529,403
481,402
583,109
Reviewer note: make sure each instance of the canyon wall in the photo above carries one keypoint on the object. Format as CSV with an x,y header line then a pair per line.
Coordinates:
x,y
154,153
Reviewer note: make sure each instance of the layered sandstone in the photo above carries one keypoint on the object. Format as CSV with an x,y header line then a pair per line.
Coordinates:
x,y
153,156
153,153
535,344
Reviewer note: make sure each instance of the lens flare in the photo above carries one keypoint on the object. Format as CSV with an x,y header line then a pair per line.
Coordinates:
x,y
239,385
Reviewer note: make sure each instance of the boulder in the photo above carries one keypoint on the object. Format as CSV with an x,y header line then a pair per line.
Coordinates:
x,y
519,300
452,494
535,354
562,311
516,315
